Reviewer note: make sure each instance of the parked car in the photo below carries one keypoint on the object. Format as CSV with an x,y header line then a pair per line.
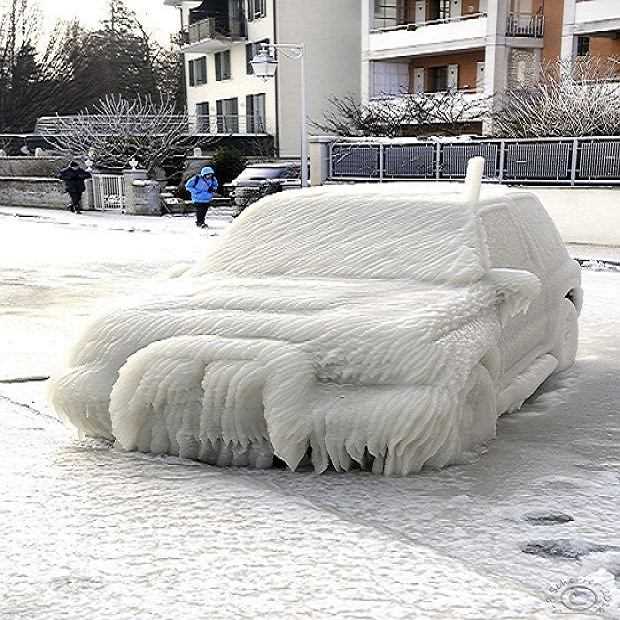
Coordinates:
x,y
260,180
383,327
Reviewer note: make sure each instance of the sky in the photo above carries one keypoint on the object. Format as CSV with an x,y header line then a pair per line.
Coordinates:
x,y
157,18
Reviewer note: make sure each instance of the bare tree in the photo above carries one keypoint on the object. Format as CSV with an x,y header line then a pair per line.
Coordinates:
x,y
569,99
116,130
392,116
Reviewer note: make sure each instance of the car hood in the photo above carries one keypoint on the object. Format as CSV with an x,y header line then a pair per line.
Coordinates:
x,y
346,325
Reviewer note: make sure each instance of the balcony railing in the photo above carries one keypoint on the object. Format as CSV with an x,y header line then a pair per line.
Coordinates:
x,y
221,124
214,28
525,25
433,22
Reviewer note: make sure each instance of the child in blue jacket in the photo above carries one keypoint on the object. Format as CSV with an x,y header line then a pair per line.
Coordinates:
x,y
202,187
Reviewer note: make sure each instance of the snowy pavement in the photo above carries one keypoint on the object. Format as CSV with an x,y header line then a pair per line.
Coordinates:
x,y
88,531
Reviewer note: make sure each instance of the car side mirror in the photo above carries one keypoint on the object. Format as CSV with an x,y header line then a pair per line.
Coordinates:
x,y
516,289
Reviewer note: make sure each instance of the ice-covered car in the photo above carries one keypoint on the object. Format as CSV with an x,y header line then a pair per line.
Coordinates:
x,y
379,326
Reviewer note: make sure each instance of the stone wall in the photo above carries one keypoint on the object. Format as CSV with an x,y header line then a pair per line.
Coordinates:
x,y
32,192
39,167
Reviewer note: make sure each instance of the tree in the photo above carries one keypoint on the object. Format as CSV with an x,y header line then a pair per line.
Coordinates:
x,y
569,99
78,67
393,116
117,130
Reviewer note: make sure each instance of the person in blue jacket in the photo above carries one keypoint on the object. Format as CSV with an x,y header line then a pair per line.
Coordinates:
x,y
202,187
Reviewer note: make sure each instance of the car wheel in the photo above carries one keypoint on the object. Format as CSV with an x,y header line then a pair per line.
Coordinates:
x,y
565,349
480,407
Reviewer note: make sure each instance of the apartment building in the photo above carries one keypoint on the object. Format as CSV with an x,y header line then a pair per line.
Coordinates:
x,y
479,47
220,38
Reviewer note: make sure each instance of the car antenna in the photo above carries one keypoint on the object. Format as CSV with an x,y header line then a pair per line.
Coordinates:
x,y
473,180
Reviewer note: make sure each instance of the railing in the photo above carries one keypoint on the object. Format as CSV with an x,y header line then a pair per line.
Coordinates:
x,y
431,22
562,161
191,125
525,25
213,27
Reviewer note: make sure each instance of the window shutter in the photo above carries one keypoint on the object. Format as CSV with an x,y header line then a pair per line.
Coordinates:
x,y
420,11
456,8
418,80
453,77
480,77
218,66
192,74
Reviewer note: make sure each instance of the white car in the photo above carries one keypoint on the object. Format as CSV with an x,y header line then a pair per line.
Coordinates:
x,y
383,327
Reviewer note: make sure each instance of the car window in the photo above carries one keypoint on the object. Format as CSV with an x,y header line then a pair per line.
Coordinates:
x,y
540,232
293,173
505,242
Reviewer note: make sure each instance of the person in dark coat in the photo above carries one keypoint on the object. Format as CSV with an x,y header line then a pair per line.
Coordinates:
x,y
202,187
74,176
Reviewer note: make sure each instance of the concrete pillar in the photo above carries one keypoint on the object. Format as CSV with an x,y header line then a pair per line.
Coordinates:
x,y
367,23
319,159
135,194
496,55
568,48
88,199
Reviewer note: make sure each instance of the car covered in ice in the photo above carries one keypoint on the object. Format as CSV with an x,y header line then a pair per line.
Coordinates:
x,y
383,327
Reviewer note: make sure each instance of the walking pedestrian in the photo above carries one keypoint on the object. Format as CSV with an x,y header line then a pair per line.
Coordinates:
x,y
202,187
74,176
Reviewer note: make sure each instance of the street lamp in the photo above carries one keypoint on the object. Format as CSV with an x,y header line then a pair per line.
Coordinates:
x,y
265,66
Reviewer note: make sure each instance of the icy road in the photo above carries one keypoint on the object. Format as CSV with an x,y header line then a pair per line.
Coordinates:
x,y
87,531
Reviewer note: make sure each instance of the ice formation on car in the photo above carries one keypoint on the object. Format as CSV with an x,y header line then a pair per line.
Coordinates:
x,y
346,325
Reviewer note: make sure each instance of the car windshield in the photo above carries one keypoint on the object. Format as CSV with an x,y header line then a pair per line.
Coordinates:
x,y
262,173
356,232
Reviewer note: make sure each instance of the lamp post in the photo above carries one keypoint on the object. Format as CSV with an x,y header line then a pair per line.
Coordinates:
x,y
265,66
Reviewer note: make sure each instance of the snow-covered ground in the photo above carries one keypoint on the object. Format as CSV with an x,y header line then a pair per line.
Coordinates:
x,y
88,531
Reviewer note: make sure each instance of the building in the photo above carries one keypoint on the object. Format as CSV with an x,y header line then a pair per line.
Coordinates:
x,y
479,47
220,37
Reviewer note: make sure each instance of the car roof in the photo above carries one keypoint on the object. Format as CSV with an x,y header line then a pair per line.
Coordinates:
x,y
272,164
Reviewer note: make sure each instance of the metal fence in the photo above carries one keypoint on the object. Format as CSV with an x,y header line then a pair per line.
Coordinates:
x,y
108,192
564,161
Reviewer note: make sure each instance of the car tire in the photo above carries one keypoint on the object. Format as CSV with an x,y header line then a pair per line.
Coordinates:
x,y
567,339
480,404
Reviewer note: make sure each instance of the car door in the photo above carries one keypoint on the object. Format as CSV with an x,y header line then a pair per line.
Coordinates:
x,y
523,337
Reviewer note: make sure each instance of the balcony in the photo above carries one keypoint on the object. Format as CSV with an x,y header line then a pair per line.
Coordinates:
x,y
214,25
597,17
427,38
525,25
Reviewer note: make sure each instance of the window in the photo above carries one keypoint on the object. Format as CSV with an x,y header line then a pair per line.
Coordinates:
x,y
389,78
227,115
202,118
222,66
256,9
386,13
583,46
251,49
255,113
198,71
438,9
437,79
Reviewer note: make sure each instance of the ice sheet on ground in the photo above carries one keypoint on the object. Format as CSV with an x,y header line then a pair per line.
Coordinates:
x,y
559,454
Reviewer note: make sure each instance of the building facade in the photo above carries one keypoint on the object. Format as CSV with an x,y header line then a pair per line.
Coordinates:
x,y
220,37
479,47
